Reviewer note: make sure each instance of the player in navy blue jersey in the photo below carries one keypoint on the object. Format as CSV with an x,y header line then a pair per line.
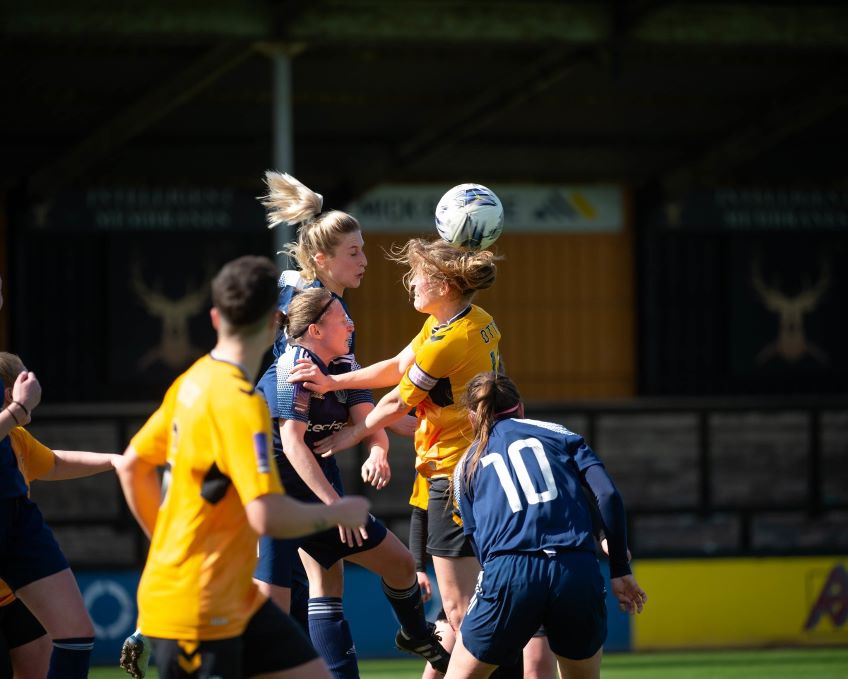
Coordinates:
x,y
518,489
319,329
330,253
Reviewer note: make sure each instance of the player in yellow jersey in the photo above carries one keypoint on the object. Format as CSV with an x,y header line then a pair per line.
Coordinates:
x,y
198,604
458,340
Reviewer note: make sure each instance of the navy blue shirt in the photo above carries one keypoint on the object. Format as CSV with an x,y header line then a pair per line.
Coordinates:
x,y
525,495
323,413
12,483
291,282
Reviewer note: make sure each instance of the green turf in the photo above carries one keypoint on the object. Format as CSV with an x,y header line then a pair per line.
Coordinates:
x,y
824,663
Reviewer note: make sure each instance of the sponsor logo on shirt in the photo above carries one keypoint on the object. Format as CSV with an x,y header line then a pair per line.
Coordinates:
x,y
330,426
260,447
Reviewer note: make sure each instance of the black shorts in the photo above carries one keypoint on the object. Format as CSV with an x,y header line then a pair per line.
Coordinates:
x,y
444,535
18,626
271,642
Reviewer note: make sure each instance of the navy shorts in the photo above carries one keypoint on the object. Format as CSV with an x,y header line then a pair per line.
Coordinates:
x,y
28,550
517,593
444,535
271,642
277,557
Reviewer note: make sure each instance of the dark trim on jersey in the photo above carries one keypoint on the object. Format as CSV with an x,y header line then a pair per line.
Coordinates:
x,y
215,484
442,326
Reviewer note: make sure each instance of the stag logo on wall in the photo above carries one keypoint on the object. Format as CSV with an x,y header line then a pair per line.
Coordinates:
x,y
175,349
791,343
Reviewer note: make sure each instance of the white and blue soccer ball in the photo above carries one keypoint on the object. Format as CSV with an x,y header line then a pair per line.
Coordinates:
x,y
471,216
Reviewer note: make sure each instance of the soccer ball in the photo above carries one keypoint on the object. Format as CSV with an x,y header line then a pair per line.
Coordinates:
x,y
471,216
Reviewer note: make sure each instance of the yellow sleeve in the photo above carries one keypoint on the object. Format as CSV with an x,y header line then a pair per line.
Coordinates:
x,y
6,595
34,458
423,334
437,357
245,448
151,441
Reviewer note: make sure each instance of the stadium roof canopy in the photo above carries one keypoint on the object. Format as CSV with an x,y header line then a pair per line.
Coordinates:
x,y
657,95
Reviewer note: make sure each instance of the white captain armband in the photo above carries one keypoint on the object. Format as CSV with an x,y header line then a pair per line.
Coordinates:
x,y
421,379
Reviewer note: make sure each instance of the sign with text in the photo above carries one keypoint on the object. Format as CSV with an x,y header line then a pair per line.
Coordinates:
x,y
527,208
758,209
148,209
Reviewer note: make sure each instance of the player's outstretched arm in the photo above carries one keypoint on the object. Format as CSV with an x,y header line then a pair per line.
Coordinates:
x,y
385,373
405,426
142,488
390,409
75,464
281,516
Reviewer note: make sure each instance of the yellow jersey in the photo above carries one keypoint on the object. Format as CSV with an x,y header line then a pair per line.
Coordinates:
x,y
213,431
34,461
446,358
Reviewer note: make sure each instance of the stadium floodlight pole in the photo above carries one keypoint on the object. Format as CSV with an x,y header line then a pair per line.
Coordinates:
x,y
281,124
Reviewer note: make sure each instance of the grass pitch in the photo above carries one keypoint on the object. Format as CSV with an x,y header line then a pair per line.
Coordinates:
x,y
807,663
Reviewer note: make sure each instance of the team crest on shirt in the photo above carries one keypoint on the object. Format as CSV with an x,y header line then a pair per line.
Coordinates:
x,y
260,447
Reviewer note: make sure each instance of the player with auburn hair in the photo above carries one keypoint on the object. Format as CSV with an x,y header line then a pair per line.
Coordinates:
x,y
198,604
519,492
457,341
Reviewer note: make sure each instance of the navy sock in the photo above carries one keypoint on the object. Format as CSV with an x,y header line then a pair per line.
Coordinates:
x,y
331,636
70,658
409,609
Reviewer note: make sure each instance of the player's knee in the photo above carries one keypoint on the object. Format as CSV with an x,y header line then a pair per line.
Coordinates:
x,y
86,627
454,612
405,566
398,568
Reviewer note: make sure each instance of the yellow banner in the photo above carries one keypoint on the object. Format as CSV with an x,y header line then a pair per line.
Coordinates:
x,y
742,602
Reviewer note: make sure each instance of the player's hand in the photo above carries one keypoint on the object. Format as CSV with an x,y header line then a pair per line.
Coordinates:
x,y
345,438
376,469
425,586
27,390
310,375
631,597
135,655
351,512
